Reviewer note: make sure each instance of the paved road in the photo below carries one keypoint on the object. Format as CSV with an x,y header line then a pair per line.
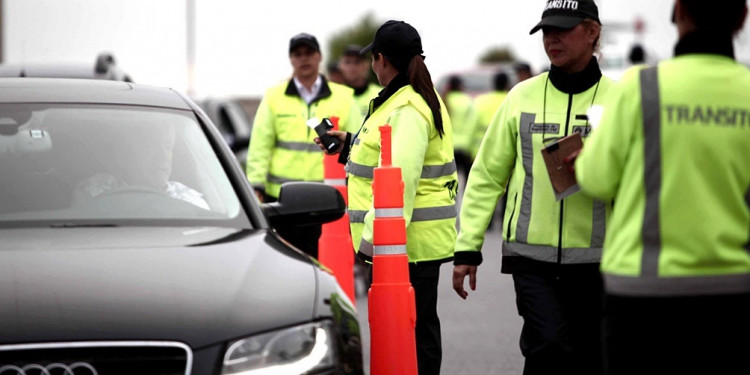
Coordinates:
x,y
480,334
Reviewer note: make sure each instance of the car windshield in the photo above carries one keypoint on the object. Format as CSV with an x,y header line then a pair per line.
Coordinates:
x,y
106,165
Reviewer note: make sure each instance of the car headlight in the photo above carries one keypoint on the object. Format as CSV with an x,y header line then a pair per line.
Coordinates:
x,y
296,350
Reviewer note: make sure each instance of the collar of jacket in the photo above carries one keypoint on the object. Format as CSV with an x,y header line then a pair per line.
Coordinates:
x,y
577,82
704,42
396,83
325,91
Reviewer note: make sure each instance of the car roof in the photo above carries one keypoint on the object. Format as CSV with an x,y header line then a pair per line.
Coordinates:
x,y
63,90
50,71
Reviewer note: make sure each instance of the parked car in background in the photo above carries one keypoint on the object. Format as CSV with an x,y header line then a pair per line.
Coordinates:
x,y
103,68
478,80
232,121
132,243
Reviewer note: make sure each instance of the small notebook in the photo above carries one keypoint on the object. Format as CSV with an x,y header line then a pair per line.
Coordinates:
x,y
554,154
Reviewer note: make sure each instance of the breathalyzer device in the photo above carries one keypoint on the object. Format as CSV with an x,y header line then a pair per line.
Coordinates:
x,y
331,143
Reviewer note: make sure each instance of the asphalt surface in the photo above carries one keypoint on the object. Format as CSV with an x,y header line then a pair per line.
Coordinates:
x,y
480,334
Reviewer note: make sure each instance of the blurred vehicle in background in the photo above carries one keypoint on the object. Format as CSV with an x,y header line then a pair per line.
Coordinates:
x,y
615,59
479,79
132,243
233,122
104,68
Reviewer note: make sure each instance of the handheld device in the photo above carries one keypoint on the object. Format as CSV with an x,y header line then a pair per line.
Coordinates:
x,y
321,127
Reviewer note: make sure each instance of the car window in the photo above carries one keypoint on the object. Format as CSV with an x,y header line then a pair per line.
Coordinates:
x,y
68,164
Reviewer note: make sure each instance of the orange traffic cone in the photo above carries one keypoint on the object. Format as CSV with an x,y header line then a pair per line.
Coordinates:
x,y
335,243
392,310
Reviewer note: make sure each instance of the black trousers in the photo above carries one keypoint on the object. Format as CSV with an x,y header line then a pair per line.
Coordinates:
x,y
424,279
677,335
562,317
463,165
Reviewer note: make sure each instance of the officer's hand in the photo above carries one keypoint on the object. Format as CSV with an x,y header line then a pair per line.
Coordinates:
x,y
459,274
341,136
259,194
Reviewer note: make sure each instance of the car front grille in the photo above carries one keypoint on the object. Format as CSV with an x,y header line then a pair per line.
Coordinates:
x,y
96,358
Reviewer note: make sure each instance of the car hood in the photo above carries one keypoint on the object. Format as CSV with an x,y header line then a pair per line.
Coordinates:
x,y
199,286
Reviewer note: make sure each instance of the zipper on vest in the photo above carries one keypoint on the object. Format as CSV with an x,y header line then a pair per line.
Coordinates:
x,y
562,201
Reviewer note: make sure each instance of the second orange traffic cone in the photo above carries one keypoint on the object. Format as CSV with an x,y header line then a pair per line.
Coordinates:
x,y
392,310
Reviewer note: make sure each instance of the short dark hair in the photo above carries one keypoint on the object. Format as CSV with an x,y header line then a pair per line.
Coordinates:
x,y
522,67
500,81
333,67
353,50
726,18
637,54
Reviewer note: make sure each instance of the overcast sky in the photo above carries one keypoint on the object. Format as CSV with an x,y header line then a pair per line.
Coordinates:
x,y
242,44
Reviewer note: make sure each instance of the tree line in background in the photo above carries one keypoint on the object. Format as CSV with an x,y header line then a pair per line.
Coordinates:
x,y
362,31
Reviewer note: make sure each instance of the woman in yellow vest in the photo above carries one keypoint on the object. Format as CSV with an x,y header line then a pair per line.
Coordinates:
x,y
423,149
673,151
551,246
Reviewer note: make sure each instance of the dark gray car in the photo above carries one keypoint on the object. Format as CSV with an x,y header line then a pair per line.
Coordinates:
x,y
131,243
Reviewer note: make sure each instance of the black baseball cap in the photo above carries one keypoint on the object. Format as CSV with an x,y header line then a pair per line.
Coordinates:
x,y
353,50
397,40
304,39
567,14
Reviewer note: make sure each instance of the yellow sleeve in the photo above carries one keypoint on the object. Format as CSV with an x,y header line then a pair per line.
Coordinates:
x,y
262,142
600,165
488,178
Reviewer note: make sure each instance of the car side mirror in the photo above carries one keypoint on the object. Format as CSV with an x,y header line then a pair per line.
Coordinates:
x,y
305,203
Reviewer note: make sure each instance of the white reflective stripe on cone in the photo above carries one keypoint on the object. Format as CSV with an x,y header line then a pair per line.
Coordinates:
x,y
390,249
389,212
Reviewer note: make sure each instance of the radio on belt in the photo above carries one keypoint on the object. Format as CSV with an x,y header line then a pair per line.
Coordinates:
x,y
321,127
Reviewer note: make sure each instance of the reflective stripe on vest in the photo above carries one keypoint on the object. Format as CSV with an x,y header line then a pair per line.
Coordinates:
x,y
527,153
435,171
549,253
433,213
652,170
357,216
428,171
418,214
598,224
280,180
298,146
365,248
359,170
677,286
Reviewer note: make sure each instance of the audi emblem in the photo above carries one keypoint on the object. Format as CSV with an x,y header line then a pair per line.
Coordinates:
x,y
77,368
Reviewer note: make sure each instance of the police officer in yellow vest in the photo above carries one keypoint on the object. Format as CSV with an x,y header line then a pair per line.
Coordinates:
x,y
423,149
355,69
464,120
673,151
552,248
486,106
281,145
